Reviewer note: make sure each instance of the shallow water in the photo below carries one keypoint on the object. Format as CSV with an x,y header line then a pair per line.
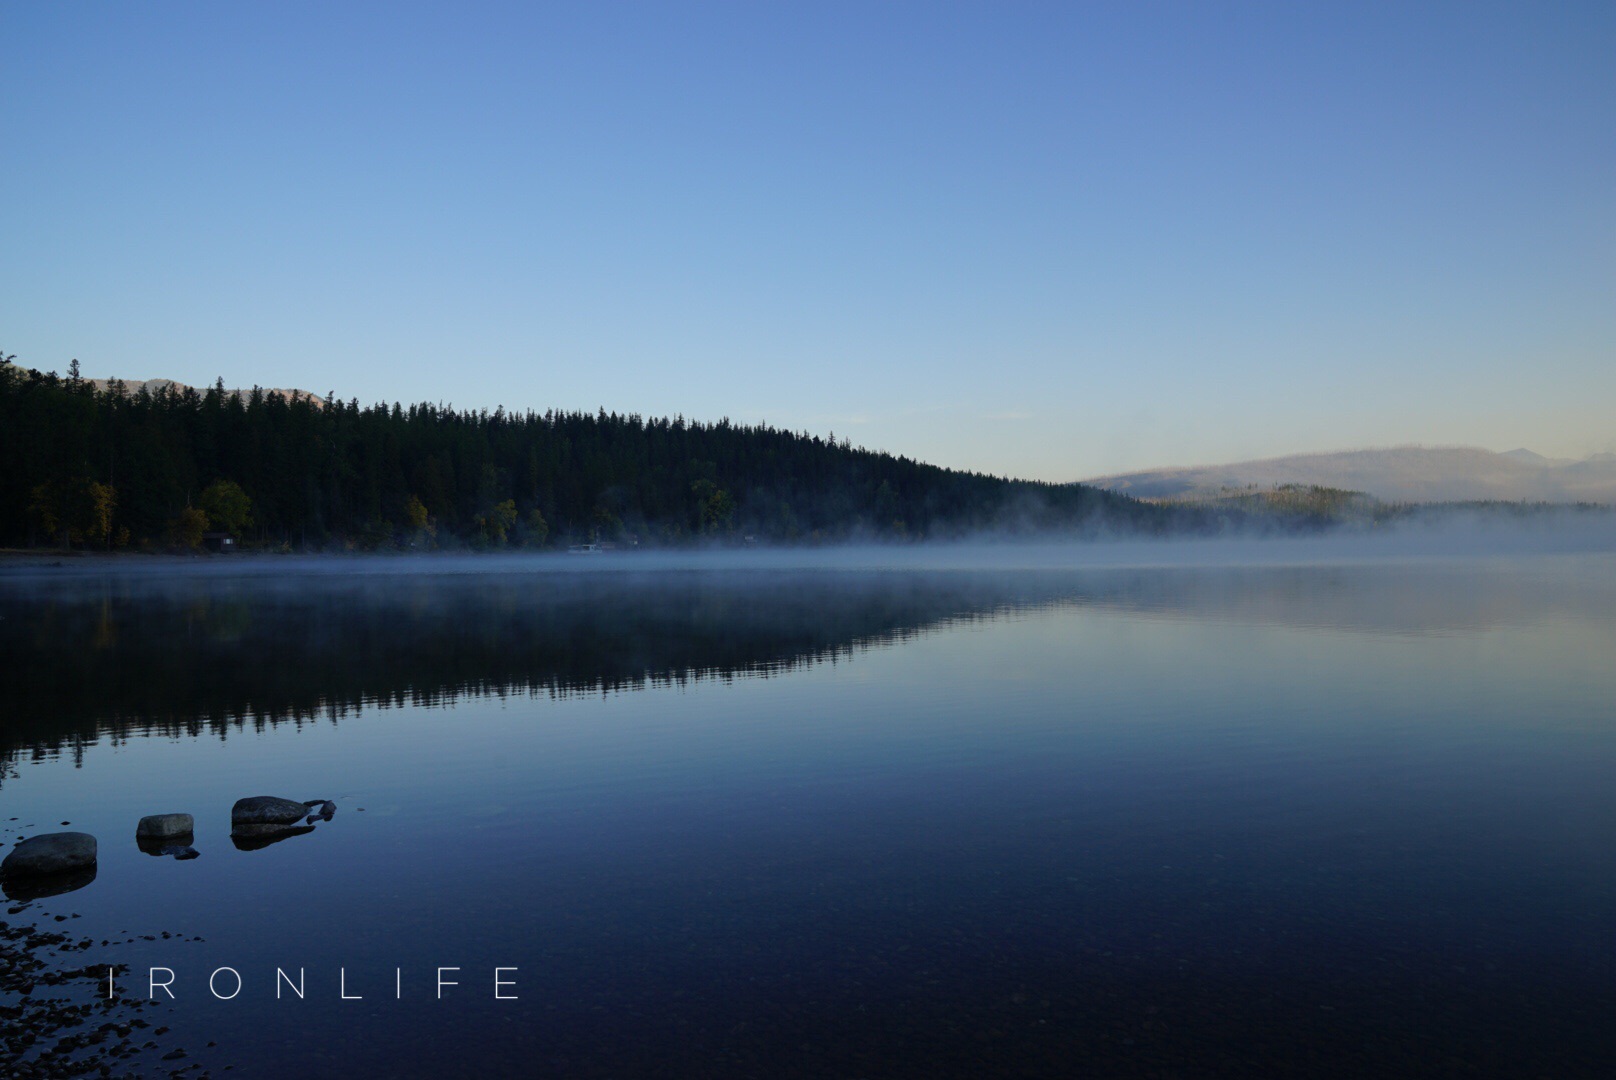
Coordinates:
x,y
1338,818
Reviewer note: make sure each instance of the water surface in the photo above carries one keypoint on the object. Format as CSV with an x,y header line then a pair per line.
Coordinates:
x,y
1330,819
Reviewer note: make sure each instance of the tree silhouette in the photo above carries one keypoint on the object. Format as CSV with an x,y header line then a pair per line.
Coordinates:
x,y
290,470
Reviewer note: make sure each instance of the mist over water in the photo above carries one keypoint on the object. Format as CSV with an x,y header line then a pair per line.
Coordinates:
x,y
1458,534
1329,806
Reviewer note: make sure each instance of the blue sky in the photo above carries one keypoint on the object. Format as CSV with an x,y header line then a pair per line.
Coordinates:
x,y
1043,240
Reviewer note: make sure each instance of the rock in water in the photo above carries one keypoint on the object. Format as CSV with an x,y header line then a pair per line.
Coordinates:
x,y
165,826
263,812
153,845
320,810
40,886
179,847
52,853
258,837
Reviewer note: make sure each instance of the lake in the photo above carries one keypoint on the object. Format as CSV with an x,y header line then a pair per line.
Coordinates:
x,y
850,816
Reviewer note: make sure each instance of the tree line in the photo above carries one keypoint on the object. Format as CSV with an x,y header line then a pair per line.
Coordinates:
x,y
104,466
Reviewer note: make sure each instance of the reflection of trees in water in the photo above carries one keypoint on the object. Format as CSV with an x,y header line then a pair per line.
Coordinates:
x,y
110,659
115,660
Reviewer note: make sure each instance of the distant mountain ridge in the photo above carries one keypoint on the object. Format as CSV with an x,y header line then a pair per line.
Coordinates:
x,y
133,386
1396,474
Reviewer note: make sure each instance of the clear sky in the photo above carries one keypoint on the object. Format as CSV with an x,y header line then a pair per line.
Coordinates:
x,y
1048,240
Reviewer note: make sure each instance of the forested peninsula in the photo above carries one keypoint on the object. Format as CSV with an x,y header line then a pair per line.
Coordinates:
x,y
104,467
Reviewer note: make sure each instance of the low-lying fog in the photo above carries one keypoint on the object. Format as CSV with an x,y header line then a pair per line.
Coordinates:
x,y
1541,534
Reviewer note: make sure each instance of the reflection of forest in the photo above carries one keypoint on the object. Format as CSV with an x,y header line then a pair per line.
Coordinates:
x,y
105,657
109,657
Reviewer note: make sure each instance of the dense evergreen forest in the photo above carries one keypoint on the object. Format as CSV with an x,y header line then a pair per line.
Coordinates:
x,y
102,467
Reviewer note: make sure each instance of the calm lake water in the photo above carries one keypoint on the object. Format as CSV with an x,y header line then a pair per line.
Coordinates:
x,y
1346,818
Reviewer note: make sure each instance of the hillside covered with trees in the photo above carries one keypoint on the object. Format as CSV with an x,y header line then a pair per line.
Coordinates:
x,y
99,466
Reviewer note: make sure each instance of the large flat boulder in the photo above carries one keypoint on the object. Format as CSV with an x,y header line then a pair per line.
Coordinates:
x,y
262,813
165,827
52,853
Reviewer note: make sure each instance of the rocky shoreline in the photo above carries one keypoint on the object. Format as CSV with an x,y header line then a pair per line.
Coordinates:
x,y
55,1022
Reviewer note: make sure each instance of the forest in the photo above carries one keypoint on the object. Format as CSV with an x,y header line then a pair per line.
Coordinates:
x,y
101,467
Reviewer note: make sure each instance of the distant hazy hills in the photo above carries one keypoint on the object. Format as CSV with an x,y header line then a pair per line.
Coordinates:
x,y
1400,474
152,386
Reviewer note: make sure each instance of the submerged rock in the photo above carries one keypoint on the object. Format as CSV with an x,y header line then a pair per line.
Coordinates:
x,y
320,810
264,812
177,846
265,835
39,886
50,853
166,827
